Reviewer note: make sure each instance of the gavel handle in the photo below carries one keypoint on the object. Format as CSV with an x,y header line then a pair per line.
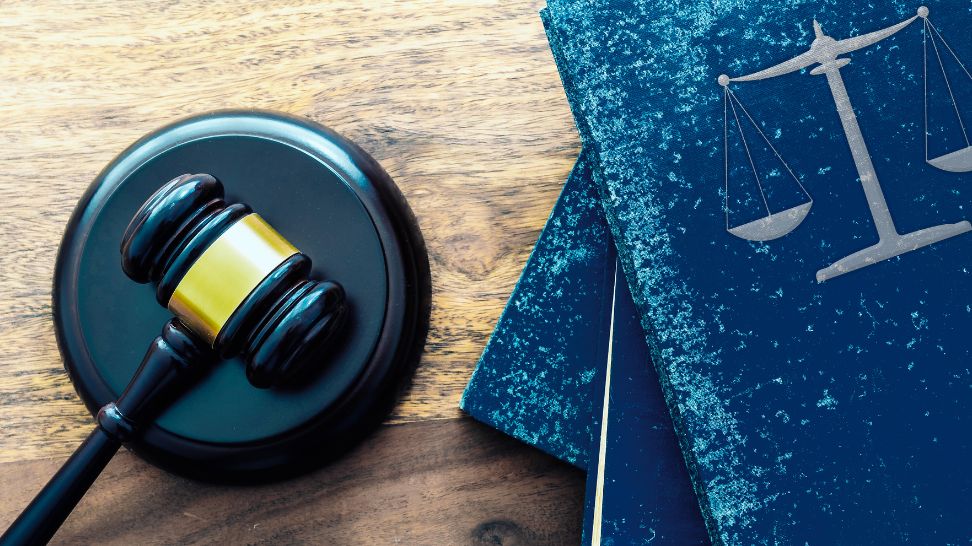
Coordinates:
x,y
170,364
45,514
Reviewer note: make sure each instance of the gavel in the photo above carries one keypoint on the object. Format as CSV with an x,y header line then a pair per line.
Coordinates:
x,y
236,288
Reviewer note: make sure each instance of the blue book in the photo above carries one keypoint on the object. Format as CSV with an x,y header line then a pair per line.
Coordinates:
x,y
535,379
638,489
648,493
788,185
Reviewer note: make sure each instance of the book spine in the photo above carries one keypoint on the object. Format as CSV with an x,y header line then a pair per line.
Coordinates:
x,y
627,264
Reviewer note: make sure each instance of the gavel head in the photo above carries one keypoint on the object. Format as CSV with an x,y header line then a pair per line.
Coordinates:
x,y
233,280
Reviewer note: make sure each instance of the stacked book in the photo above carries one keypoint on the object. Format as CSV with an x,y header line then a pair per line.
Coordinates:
x,y
748,314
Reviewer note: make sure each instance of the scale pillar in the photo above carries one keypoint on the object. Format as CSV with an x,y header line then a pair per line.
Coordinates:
x,y
862,157
891,243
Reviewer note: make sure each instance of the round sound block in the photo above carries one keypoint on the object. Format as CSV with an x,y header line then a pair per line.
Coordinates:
x,y
328,198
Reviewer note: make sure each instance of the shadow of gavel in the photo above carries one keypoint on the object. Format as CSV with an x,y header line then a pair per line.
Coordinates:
x,y
236,288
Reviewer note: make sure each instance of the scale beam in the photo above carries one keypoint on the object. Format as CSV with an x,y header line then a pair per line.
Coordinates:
x,y
825,49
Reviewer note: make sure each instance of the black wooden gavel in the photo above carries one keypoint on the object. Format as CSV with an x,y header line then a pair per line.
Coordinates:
x,y
236,288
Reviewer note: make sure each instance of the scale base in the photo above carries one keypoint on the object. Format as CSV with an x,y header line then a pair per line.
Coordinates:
x,y
891,247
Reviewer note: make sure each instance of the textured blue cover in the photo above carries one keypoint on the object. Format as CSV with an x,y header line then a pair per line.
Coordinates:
x,y
823,413
534,380
647,494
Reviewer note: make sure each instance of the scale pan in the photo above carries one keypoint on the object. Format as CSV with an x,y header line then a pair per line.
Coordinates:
x,y
956,162
773,226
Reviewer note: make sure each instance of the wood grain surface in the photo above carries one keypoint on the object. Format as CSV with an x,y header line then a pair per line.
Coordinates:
x,y
446,482
459,101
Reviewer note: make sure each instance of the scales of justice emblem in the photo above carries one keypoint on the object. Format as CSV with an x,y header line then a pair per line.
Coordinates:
x,y
825,52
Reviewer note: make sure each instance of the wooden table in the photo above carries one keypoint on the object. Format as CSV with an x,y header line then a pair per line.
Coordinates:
x,y
459,101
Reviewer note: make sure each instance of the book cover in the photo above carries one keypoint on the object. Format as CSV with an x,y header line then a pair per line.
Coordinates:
x,y
535,378
788,184
638,489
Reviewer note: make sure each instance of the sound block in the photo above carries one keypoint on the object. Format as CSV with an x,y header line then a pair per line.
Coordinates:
x,y
335,204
